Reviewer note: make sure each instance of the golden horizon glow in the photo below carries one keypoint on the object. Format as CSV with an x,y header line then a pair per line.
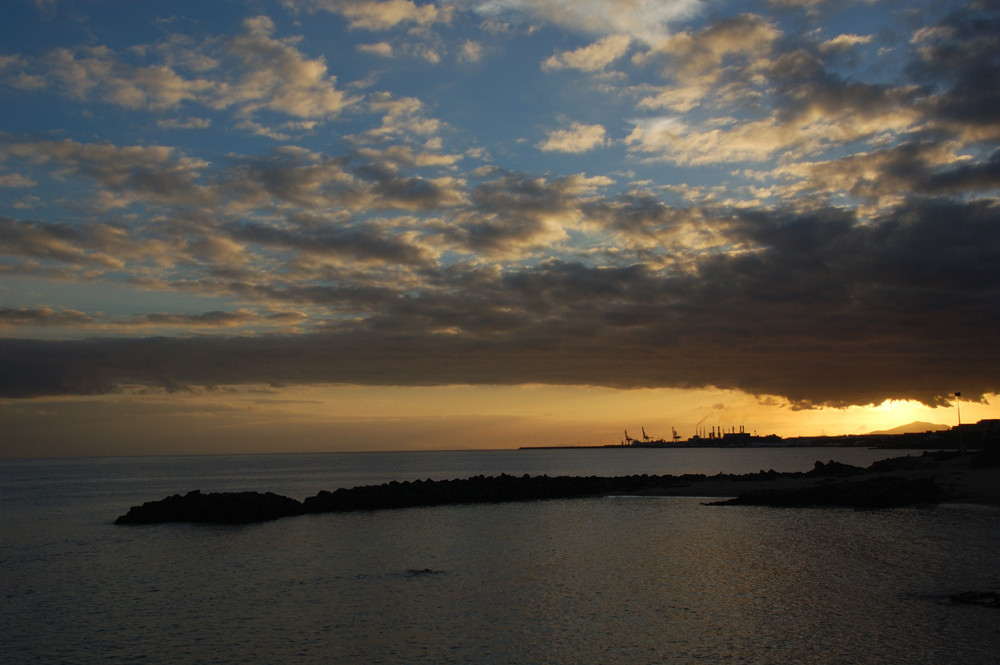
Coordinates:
x,y
349,418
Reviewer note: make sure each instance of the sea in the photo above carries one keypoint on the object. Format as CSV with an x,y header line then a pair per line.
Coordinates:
x,y
614,580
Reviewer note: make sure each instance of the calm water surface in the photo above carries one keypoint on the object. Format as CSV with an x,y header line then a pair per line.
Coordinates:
x,y
615,580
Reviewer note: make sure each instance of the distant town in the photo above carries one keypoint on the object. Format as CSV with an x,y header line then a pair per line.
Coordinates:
x,y
984,434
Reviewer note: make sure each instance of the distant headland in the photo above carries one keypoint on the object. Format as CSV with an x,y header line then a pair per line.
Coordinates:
x,y
973,435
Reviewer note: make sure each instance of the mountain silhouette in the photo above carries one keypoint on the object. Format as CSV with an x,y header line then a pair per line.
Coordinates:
x,y
916,427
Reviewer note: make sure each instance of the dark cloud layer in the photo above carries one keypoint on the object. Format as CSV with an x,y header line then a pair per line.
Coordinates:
x,y
824,310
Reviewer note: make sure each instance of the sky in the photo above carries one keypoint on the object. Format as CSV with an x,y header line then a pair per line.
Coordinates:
x,y
303,225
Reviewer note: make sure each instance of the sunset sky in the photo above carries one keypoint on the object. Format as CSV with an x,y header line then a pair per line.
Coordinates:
x,y
302,225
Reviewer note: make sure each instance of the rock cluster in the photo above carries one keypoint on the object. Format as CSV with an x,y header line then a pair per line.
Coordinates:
x,y
216,507
886,492
981,598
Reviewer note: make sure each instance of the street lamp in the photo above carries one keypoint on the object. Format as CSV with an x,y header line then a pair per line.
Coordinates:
x,y
961,444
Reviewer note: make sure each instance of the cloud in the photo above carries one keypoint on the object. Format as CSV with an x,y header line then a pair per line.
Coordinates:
x,y
886,177
153,173
378,15
471,51
99,246
645,224
381,49
515,214
956,63
214,319
818,307
249,71
313,236
90,72
407,156
845,42
159,175
812,5
746,37
16,180
672,140
647,21
16,77
738,92
718,66
276,76
578,138
762,103
593,57
184,123
401,116
15,317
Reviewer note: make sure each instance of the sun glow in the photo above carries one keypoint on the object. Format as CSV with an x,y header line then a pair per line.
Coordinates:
x,y
895,412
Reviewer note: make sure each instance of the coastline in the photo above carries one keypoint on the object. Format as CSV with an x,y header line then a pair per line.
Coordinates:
x,y
931,478
972,478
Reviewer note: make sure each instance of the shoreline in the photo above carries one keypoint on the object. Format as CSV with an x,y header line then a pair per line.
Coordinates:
x,y
931,478
889,447
972,479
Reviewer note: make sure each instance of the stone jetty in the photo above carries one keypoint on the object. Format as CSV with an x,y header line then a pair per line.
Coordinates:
x,y
926,479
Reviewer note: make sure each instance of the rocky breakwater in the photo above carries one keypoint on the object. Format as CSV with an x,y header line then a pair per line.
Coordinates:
x,y
215,508
246,507
930,478
478,489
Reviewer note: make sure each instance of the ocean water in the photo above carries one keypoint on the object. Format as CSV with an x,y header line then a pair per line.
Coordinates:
x,y
610,580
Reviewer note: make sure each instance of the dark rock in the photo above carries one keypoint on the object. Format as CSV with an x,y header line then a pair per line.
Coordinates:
x,y
244,507
834,469
987,459
981,598
422,572
478,489
887,492
896,464
218,508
